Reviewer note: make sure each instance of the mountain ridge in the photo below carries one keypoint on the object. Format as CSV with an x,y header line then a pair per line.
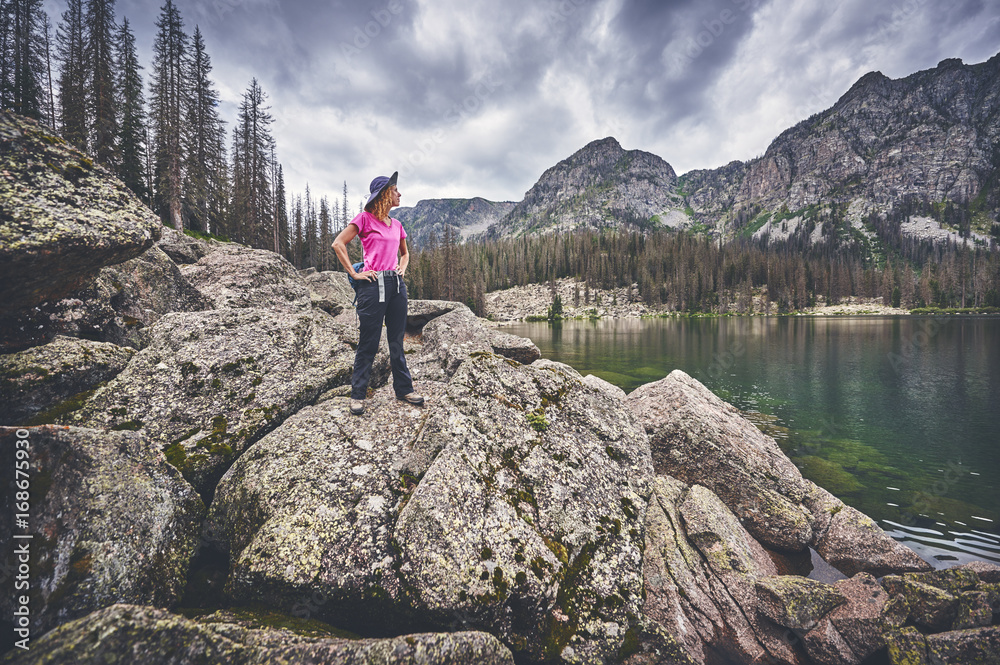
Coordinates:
x,y
927,144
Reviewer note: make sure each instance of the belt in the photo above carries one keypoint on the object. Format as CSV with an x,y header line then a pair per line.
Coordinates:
x,y
382,274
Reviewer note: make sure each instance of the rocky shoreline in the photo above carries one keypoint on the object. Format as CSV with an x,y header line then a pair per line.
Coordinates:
x,y
533,301
199,493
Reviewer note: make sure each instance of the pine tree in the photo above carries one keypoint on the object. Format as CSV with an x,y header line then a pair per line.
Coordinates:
x,y
325,237
49,106
204,134
100,24
281,215
167,100
71,47
131,166
252,206
23,48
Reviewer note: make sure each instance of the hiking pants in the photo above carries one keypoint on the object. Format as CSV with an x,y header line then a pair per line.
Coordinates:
x,y
372,313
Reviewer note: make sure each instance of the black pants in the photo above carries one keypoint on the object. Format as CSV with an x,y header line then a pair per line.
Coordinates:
x,y
372,313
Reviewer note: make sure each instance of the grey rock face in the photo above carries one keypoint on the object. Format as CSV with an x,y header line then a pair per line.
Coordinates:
x,y
927,135
463,218
449,339
112,522
957,647
743,466
154,637
210,383
748,471
599,185
39,378
181,248
234,276
853,631
699,568
120,304
512,502
62,218
329,290
796,602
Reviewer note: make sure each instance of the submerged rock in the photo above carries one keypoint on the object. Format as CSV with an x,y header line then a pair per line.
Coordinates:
x,y
698,438
41,377
62,217
148,636
211,383
112,522
513,502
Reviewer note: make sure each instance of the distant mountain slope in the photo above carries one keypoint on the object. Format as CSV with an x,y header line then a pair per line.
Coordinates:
x,y
933,136
466,217
600,185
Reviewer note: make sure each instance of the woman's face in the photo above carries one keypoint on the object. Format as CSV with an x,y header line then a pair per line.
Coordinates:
x,y
394,196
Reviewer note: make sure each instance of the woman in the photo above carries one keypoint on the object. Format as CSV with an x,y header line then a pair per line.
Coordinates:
x,y
380,288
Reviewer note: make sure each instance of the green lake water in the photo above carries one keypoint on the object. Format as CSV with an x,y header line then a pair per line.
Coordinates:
x,y
897,416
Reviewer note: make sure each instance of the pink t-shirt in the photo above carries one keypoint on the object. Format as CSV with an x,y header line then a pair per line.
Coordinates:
x,y
379,241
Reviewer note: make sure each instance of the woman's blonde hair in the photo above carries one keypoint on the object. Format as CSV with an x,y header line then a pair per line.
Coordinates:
x,y
381,206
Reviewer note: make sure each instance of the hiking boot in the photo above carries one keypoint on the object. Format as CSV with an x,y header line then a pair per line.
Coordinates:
x,y
357,406
412,398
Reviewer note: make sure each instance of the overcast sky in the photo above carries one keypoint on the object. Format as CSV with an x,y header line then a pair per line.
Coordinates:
x,y
477,98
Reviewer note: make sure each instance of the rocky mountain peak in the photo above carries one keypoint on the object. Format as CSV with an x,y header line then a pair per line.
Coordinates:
x,y
602,184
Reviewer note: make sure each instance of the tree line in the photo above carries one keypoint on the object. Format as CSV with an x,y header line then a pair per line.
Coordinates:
x,y
692,273
84,81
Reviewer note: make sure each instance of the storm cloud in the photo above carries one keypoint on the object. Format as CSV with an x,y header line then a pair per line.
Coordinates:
x,y
475,98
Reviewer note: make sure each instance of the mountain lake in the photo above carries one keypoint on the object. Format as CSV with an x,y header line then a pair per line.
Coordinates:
x,y
897,416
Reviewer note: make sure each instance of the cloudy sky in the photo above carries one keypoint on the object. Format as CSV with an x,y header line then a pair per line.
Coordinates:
x,y
477,98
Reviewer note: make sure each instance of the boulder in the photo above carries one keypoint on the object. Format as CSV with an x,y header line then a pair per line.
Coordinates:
x,y
450,338
749,472
796,602
62,217
211,383
852,542
421,312
112,522
987,572
329,290
953,598
956,647
853,630
743,466
181,248
37,379
512,502
149,636
308,512
121,303
700,568
235,276
595,381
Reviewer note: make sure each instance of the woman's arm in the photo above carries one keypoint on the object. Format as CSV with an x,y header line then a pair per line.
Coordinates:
x,y
404,257
340,249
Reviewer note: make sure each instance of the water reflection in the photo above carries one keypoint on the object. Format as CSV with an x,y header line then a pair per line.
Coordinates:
x,y
894,415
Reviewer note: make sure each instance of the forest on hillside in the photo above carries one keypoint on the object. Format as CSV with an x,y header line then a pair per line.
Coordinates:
x,y
692,273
